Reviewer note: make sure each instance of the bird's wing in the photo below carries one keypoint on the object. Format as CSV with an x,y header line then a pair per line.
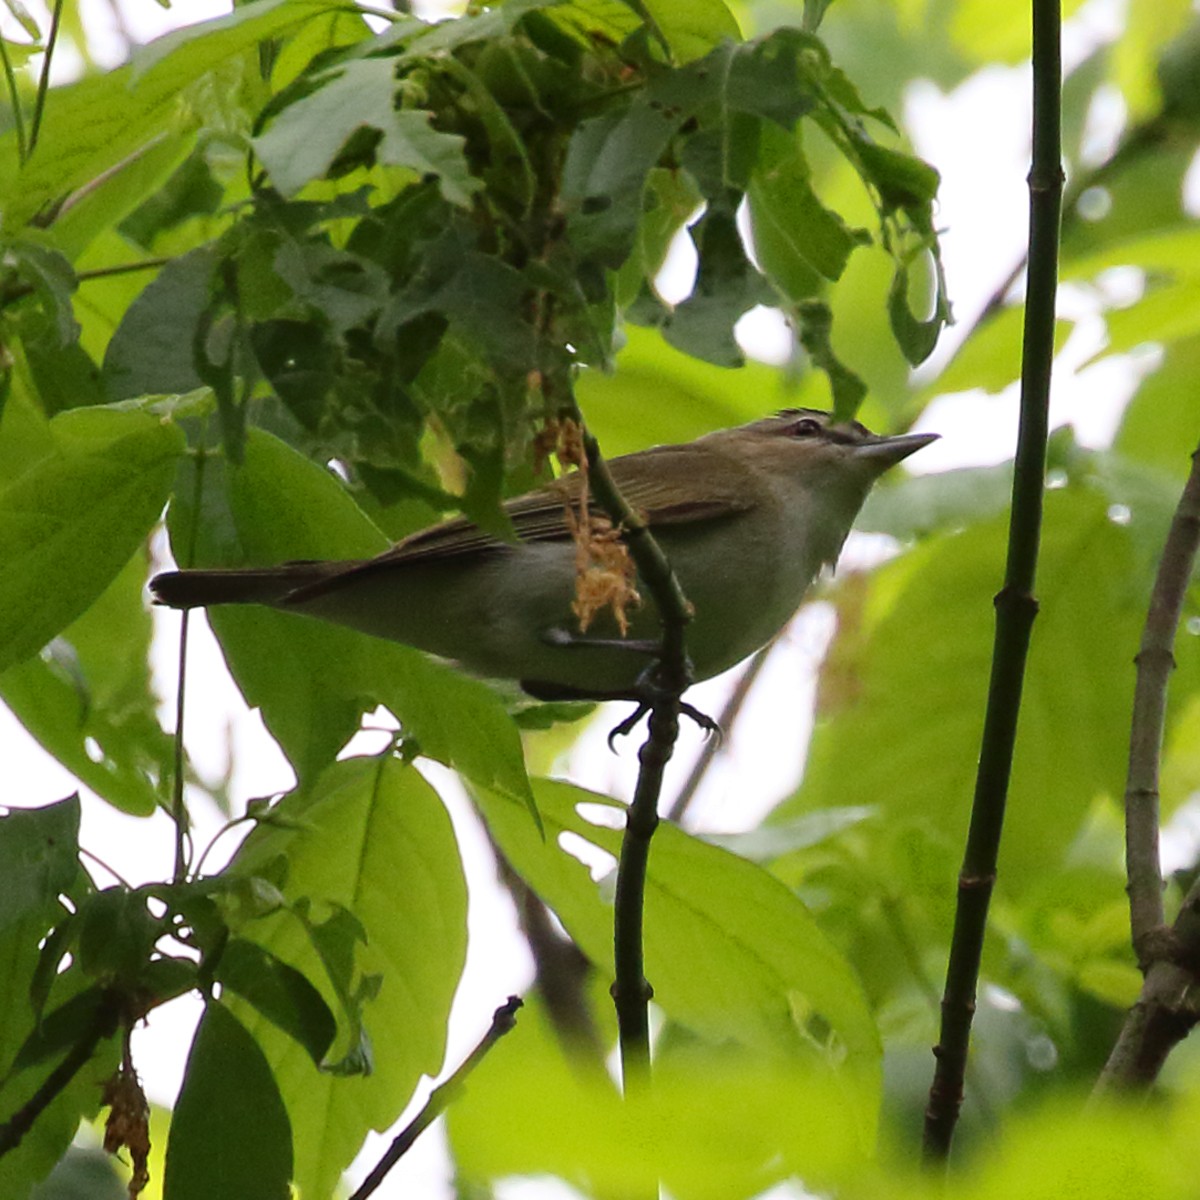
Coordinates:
x,y
540,516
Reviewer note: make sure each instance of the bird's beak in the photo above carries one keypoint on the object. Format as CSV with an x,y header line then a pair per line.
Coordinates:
x,y
886,452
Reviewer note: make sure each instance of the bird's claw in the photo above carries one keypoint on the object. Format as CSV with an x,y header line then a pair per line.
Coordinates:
x,y
627,726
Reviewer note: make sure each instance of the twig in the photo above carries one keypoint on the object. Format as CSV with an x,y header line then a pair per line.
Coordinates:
x,y
1155,662
14,98
503,1019
104,1025
631,990
18,291
1165,1012
1168,1005
561,970
1015,604
726,722
39,104
1135,145
178,806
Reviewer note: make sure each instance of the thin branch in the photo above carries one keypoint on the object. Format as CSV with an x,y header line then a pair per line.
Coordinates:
x,y
631,990
145,264
39,104
1016,607
726,721
1140,140
1169,1005
561,970
1155,662
503,1019
18,291
178,807
104,1025
14,98
1166,1011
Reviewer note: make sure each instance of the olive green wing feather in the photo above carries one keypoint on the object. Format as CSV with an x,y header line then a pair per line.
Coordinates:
x,y
648,480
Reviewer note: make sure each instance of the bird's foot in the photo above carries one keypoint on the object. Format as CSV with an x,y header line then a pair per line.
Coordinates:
x,y
627,726
648,692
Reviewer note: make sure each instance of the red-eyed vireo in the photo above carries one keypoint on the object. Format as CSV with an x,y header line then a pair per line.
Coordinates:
x,y
746,516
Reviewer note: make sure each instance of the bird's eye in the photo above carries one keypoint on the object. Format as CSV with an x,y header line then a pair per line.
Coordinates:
x,y
806,428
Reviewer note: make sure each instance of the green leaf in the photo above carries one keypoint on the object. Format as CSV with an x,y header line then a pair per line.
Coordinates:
x,y
1158,426
915,337
39,857
313,680
69,524
279,993
730,952
692,27
658,395
88,699
727,286
117,933
303,141
230,1135
152,350
991,357
92,126
797,240
1073,728
1165,314
373,838
45,1144
982,31
724,1125
918,505
66,1025
816,336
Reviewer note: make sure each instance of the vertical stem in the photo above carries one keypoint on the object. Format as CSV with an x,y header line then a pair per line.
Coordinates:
x,y
39,103
1016,607
631,991
1155,662
14,98
178,808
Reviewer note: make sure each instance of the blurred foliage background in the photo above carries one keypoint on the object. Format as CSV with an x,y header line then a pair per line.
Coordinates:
x,y
247,280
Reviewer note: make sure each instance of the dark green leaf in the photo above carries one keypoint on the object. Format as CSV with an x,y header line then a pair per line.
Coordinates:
x,y
68,525
732,953
280,993
727,286
117,933
796,238
370,835
69,1024
39,857
815,328
230,1136
314,680
152,350
51,1135
50,958
303,141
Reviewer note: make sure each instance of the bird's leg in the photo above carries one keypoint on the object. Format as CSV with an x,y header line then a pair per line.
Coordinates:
x,y
556,635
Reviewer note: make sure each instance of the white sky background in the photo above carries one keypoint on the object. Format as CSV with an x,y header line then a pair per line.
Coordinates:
x,y
978,138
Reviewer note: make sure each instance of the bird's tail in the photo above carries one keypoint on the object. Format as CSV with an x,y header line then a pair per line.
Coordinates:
x,y
254,585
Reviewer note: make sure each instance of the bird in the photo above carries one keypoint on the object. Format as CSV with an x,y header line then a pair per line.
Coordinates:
x,y
747,517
